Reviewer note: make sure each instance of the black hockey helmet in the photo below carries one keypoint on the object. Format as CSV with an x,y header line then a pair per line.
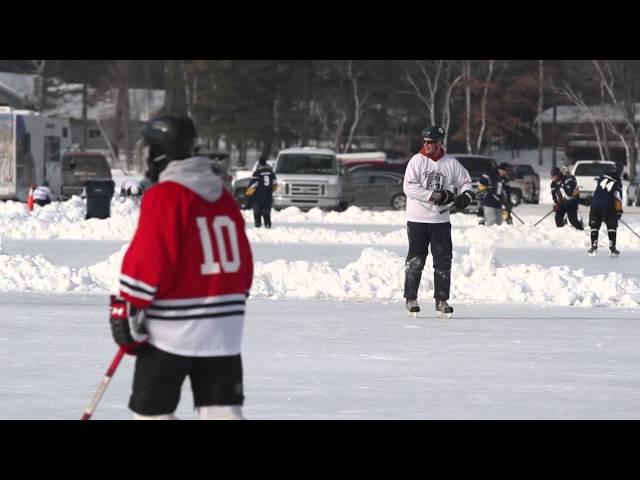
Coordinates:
x,y
556,172
168,137
614,170
434,133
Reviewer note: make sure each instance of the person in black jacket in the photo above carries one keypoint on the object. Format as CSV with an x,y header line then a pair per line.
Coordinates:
x,y
260,190
566,195
496,195
606,205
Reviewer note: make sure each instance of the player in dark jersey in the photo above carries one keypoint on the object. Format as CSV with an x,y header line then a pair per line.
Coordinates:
x,y
606,205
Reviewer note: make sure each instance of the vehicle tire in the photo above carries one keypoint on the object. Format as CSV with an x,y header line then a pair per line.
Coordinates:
x,y
516,198
342,206
399,202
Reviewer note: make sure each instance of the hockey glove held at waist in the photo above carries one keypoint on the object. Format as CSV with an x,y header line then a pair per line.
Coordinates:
x,y
619,214
463,200
127,326
442,197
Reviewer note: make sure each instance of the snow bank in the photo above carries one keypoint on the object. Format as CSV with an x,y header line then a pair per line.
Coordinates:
x,y
65,220
376,275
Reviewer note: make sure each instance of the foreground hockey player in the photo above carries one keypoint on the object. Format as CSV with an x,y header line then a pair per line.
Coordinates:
x,y
606,205
184,282
430,175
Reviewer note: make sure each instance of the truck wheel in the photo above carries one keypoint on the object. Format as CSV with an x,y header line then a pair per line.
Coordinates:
x,y
342,206
399,202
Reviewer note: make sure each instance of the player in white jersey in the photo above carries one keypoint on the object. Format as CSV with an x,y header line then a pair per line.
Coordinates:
x,y
428,182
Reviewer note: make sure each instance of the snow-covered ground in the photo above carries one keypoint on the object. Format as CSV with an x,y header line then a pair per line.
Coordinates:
x,y
541,330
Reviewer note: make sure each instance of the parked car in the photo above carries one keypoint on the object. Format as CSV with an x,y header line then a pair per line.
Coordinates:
x,y
377,189
633,192
525,184
587,172
310,177
398,168
476,165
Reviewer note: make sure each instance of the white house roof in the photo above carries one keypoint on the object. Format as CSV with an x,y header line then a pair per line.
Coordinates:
x,y
577,114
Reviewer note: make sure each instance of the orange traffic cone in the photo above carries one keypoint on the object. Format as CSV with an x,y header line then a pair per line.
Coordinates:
x,y
30,199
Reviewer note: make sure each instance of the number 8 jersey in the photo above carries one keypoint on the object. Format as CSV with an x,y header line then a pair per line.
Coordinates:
x,y
190,263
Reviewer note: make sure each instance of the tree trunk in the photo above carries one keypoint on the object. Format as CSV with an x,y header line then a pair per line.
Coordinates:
x,y
467,96
540,109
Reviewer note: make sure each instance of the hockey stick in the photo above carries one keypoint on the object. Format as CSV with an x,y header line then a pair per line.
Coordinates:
x,y
626,225
517,217
103,385
450,207
543,218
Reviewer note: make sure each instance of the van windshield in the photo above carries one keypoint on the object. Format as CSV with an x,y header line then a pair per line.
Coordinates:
x,y
592,169
87,165
307,163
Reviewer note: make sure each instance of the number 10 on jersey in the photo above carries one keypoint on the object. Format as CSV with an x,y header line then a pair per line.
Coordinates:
x,y
228,265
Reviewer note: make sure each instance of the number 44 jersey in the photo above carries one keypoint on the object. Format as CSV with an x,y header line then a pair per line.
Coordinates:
x,y
190,264
608,193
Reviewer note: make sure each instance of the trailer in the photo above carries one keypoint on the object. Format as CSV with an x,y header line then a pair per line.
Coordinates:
x,y
31,147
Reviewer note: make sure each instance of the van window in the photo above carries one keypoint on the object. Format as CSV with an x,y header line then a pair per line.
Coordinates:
x,y
87,165
307,163
26,143
592,169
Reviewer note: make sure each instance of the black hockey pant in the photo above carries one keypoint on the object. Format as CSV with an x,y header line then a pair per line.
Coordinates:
x,y
420,236
596,216
570,209
262,212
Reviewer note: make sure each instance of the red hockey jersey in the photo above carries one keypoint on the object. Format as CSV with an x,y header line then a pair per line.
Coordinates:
x,y
190,263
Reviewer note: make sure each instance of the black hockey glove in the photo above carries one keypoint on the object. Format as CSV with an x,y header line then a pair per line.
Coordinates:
x,y
442,197
463,200
619,214
126,325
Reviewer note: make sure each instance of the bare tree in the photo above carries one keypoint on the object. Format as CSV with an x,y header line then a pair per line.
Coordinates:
x,y
620,86
359,102
540,107
433,83
41,83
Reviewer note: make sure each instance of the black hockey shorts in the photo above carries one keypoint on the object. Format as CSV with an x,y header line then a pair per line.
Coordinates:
x,y
598,215
436,235
159,375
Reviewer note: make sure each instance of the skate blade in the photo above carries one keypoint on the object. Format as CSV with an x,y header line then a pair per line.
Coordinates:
x,y
412,314
614,255
592,254
445,315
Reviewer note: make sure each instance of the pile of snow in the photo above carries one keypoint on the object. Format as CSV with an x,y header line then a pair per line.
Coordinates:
x,y
377,275
65,220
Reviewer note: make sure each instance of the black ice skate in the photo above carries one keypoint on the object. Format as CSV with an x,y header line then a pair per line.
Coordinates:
x,y
613,252
592,251
444,309
412,308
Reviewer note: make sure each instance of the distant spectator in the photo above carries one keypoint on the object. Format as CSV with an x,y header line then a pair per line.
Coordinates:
x,y
131,188
42,194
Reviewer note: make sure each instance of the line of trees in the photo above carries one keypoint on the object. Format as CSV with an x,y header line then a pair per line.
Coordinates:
x,y
352,104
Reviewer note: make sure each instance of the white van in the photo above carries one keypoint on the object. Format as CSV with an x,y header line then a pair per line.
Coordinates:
x,y
311,177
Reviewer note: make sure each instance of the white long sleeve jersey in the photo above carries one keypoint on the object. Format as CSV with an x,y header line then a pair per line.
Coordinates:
x,y
425,176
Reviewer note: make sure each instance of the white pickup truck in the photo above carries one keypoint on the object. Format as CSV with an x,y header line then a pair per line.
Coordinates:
x,y
586,173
